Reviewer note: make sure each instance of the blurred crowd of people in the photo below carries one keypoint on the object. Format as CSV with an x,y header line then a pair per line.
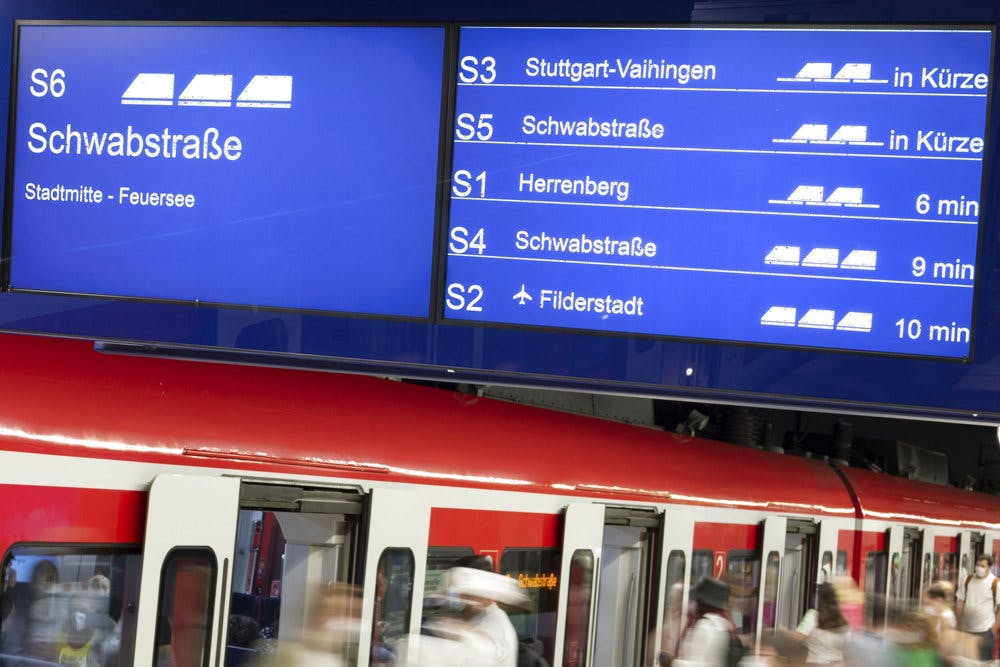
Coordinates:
x,y
65,623
833,633
463,626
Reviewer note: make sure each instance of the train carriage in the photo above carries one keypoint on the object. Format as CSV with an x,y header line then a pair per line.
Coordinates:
x,y
200,491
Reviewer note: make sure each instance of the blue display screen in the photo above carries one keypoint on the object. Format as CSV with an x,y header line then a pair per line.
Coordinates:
x,y
278,166
806,187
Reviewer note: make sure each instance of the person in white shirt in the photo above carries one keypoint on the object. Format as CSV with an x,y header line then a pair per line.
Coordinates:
x,y
475,632
825,629
977,607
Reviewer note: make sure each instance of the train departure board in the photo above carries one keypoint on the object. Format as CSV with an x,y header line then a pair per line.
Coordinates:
x,y
814,187
281,166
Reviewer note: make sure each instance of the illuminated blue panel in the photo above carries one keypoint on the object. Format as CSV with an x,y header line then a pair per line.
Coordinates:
x,y
276,166
803,187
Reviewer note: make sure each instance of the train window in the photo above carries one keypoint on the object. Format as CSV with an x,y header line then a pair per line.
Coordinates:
x,y
841,564
771,582
674,616
743,577
875,584
927,571
439,559
944,567
393,599
537,572
184,611
581,588
898,574
826,568
69,605
701,565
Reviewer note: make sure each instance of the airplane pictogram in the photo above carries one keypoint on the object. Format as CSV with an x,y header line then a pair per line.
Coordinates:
x,y
522,296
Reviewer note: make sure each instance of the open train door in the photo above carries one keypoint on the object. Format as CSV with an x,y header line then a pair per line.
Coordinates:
x,y
583,536
206,557
186,567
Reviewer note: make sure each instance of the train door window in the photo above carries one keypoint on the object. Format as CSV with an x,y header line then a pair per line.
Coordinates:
x,y
927,572
897,596
743,577
674,613
393,597
875,581
184,611
439,560
68,605
537,572
581,586
841,570
771,585
945,567
826,568
702,561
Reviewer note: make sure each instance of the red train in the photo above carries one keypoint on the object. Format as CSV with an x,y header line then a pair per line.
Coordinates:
x,y
185,492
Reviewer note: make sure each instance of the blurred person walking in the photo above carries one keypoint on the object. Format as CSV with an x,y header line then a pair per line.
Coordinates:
x,y
977,609
916,641
825,629
471,630
710,638
937,605
331,632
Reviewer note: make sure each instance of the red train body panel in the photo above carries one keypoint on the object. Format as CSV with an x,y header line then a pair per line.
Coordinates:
x,y
389,481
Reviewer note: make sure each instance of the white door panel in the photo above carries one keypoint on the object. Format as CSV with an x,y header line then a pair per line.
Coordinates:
x,y
894,586
827,543
583,530
773,540
397,519
678,536
187,511
926,560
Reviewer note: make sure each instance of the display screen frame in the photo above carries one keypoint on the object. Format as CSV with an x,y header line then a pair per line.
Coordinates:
x,y
436,349
762,26
440,191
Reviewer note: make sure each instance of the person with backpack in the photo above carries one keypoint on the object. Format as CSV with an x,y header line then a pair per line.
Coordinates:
x,y
710,638
977,609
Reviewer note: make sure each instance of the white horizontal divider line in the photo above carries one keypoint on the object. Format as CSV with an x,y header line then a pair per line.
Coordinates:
x,y
554,144
655,207
718,90
695,269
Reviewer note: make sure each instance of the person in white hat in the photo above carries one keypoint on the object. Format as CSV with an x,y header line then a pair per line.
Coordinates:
x,y
476,632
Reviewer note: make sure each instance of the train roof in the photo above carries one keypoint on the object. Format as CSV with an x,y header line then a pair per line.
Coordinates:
x,y
62,396
884,497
